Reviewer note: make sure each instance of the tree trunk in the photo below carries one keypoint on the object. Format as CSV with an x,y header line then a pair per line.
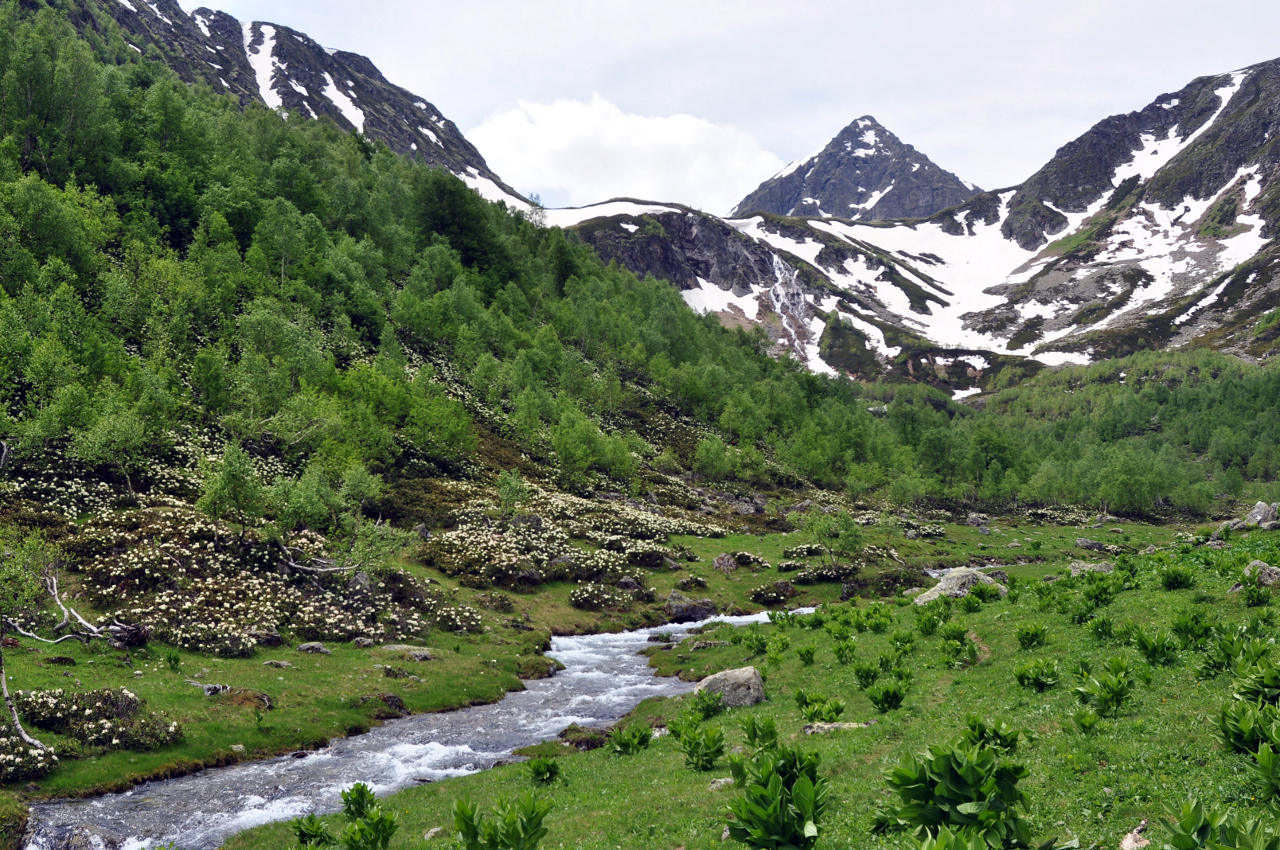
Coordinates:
x,y
8,700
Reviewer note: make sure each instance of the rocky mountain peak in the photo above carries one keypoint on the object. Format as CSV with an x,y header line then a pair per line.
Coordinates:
x,y
864,173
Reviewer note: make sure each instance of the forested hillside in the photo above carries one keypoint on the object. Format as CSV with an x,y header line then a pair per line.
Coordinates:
x,y
171,262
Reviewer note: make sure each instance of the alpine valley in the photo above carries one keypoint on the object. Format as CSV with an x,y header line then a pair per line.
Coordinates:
x,y
958,504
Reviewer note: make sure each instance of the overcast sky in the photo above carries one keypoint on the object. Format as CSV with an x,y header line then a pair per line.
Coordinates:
x,y
698,101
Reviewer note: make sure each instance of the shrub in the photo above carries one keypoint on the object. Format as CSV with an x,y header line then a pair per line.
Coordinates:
x,y
998,734
512,825
970,602
1103,629
1086,720
706,704
761,732
702,747
543,771
1255,596
1032,635
805,654
845,651
965,786
783,799
629,740
886,696
960,653
1108,691
1175,577
902,640
1159,648
1245,726
952,631
1193,627
927,624
865,674
1039,676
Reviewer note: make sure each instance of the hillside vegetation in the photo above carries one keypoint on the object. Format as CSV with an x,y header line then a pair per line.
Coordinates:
x,y
265,382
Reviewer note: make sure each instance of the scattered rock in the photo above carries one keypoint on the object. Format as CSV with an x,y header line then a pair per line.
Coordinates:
x,y
1260,513
210,690
314,647
719,784
708,644
421,530
1216,544
1078,567
279,665
1013,544
434,832
360,582
392,706
1263,573
999,575
1273,525
1150,550
1134,839
681,609
1092,545
238,749
9,643
725,563
395,672
823,728
362,643
956,583
249,699
738,688
976,520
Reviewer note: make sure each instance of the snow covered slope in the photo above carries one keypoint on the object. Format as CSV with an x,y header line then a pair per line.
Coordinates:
x,y
1153,229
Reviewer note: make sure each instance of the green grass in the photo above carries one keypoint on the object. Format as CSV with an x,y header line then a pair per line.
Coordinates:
x,y
1163,748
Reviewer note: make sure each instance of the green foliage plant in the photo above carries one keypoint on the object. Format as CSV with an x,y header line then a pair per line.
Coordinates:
x,y
783,799
512,825
1039,675
886,696
1108,691
702,747
629,740
964,786
1031,635
543,770
706,704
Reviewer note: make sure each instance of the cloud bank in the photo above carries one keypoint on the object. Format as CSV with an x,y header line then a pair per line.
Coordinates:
x,y
573,153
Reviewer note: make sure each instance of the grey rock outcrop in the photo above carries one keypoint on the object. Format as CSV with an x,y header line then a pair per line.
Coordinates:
x,y
957,583
682,609
737,688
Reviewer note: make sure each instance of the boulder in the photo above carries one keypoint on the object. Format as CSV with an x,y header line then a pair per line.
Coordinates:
x,y
681,609
1260,513
266,637
1263,573
708,644
823,728
314,647
362,643
720,784
1092,545
956,583
726,563
413,653
737,688
976,520
1270,526
1078,567
279,665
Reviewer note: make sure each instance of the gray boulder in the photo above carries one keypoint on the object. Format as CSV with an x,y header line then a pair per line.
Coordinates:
x,y
956,583
682,609
737,688
1263,573
315,648
1078,567
1260,513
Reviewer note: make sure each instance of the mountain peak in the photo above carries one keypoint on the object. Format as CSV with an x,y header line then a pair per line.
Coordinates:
x,y
864,173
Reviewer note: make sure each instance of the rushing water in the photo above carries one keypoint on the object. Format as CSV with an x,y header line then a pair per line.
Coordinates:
x,y
603,679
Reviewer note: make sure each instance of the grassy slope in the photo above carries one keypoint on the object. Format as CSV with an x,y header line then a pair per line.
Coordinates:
x,y
1163,749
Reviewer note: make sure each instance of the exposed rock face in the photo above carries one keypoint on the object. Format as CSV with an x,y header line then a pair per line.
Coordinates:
x,y
737,688
956,583
865,172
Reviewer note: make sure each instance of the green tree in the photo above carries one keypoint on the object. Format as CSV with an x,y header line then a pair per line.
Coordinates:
x,y
232,490
22,562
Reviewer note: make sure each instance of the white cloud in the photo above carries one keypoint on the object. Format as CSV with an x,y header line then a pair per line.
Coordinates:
x,y
574,153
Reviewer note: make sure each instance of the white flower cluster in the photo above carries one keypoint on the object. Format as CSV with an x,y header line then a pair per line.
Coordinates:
x,y
19,760
111,718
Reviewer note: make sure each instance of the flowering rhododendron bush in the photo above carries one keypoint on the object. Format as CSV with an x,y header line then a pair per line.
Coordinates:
x,y
203,586
19,760
110,718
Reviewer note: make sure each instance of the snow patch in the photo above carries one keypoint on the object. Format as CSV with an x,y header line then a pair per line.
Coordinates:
x,y
128,5
709,298
569,216
959,394
156,11
200,22
262,61
344,103
629,227
426,131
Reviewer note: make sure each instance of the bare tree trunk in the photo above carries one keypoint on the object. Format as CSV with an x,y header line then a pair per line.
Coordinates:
x,y
8,700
